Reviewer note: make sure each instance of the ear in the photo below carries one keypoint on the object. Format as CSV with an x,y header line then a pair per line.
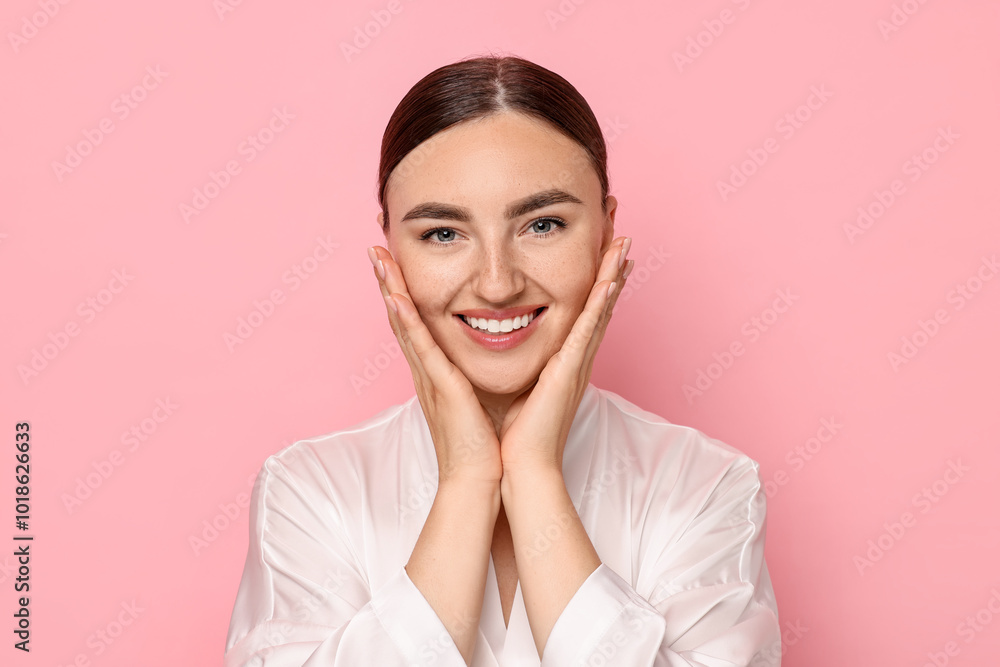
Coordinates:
x,y
381,224
608,233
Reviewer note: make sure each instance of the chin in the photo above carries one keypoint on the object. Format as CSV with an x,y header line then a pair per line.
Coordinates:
x,y
501,385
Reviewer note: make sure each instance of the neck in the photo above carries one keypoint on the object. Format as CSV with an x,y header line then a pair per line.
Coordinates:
x,y
497,405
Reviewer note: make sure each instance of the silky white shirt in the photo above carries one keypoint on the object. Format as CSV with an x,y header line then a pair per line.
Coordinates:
x,y
677,519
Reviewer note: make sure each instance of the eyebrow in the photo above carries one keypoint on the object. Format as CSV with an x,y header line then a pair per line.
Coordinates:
x,y
439,211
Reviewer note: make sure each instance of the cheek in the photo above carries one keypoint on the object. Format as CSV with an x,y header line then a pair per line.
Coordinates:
x,y
578,271
578,292
430,288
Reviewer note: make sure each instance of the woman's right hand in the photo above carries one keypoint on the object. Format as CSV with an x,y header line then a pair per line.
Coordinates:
x,y
464,436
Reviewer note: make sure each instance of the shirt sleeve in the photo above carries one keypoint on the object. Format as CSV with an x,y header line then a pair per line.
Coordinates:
x,y
708,598
304,598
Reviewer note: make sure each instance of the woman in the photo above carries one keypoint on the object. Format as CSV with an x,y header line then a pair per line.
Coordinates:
x,y
510,513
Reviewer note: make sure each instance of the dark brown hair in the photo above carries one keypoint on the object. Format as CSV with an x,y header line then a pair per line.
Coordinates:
x,y
481,86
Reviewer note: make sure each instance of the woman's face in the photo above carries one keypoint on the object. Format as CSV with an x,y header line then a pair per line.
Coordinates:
x,y
495,218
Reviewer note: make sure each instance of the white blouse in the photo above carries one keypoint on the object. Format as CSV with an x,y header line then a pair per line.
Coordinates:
x,y
677,518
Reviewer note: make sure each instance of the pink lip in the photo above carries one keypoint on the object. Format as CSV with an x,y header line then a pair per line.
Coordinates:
x,y
498,342
500,314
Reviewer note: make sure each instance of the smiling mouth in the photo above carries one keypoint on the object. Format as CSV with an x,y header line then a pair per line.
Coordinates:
x,y
501,326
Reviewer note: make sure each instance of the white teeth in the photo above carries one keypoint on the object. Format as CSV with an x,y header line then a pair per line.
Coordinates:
x,y
499,326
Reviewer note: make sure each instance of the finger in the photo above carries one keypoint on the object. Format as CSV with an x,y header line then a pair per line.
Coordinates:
x,y
390,309
433,363
609,268
612,272
382,257
574,351
616,272
391,282
578,342
403,335
610,307
626,266
616,267
613,261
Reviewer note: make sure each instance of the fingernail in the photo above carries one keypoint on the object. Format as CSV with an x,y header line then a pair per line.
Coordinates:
x,y
376,262
625,246
611,290
628,269
392,304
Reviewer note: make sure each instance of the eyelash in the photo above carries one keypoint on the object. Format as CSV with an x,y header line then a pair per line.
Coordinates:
x,y
559,224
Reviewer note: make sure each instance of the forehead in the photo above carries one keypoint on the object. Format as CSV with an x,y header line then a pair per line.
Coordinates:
x,y
492,161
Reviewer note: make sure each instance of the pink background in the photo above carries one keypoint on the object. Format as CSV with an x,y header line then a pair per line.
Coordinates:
x,y
866,569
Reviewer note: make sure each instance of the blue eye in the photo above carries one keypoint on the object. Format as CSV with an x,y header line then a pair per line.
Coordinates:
x,y
546,226
446,233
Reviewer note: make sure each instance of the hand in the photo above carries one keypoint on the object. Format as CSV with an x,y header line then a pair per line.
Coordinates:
x,y
537,423
464,437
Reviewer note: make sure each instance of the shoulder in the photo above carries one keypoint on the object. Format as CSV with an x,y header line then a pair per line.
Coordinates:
x,y
680,480
656,432
343,459
684,455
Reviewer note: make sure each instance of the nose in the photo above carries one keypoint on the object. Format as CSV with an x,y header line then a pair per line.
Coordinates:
x,y
498,276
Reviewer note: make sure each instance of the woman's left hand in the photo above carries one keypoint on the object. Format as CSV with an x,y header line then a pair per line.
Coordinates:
x,y
535,429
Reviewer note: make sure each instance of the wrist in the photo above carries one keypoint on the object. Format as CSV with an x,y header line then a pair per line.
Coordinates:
x,y
529,479
481,492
